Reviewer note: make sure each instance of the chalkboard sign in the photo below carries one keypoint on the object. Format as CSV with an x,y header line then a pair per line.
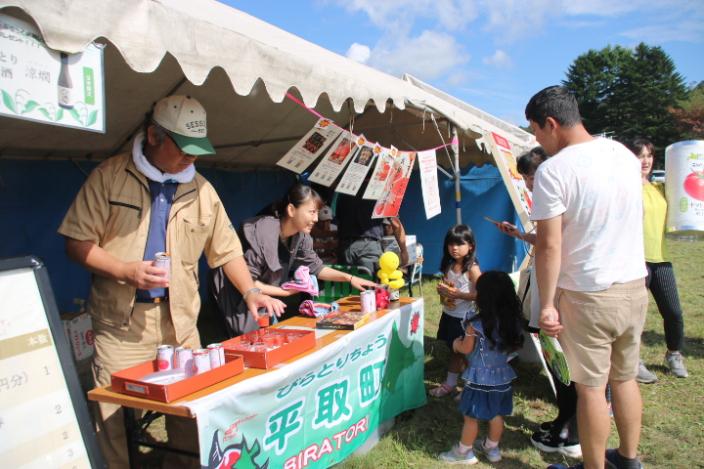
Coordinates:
x,y
44,419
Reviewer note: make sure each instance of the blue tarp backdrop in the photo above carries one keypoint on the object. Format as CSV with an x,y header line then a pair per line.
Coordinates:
x,y
34,196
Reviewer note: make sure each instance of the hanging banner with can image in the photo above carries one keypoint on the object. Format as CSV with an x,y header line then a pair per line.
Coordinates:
x,y
382,170
48,86
358,168
310,147
335,160
390,202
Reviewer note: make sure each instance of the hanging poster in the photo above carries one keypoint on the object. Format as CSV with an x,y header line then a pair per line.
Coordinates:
x,y
517,189
382,170
428,168
359,167
303,153
390,202
335,160
48,86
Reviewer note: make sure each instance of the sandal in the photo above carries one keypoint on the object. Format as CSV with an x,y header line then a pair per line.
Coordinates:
x,y
443,390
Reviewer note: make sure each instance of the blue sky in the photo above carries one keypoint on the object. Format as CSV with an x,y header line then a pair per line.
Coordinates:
x,y
493,54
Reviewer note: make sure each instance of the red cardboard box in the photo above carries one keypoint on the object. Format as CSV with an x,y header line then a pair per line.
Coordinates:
x,y
288,343
128,381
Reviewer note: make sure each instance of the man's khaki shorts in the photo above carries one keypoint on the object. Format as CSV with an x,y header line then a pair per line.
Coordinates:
x,y
601,336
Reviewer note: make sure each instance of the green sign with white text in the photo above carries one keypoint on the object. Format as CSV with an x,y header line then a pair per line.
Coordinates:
x,y
317,411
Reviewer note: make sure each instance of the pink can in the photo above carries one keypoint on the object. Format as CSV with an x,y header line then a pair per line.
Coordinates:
x,y
217,355
165,357
183,360
201,361
368,300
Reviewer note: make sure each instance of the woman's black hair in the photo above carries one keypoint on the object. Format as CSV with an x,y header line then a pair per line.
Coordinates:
x,y
500,310
528,162
458,234
297,195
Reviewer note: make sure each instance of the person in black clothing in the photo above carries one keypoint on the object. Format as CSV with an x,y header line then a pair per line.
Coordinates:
x,y
360,234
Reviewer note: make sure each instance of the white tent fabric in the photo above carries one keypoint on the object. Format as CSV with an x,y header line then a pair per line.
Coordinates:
x,y
466,116
154,48
204,34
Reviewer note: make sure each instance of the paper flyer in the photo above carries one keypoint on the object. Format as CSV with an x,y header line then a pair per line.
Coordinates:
x,y
358,168
303,153
382,170
390,202
428,167
335,160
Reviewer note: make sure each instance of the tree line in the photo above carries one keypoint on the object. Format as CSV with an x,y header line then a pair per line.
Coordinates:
x,y
625,93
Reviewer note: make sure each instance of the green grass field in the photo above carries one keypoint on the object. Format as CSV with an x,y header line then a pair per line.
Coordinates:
x,y
673,416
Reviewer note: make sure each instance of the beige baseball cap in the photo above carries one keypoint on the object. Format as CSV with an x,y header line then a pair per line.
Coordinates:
x,y
184,118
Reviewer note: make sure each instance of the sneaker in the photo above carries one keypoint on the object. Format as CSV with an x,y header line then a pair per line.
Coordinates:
x,y
615,461
455,457
545,427
675,362
492,454
644,375
565,466
550,443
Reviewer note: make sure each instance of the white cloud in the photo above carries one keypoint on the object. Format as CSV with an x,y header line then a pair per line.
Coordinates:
x,y
427,56
358,52
499,59
401,14
511,20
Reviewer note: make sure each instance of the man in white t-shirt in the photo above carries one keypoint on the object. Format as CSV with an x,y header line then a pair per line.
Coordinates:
x,y
590,268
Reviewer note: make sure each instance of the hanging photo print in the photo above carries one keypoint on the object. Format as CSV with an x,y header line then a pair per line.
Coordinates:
x,y
390,203
382,170
335,160
428,169
359,167
303,153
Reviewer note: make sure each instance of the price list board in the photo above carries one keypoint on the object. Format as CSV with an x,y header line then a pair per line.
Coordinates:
x,y
44,419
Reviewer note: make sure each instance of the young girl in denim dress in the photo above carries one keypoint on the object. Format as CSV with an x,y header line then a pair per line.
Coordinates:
x,y
493,330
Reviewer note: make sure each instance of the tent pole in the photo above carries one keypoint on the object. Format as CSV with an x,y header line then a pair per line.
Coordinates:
x,y
455,146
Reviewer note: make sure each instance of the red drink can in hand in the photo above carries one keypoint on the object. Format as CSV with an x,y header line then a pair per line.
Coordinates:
x,y
162,260
201,361
263,320
165,357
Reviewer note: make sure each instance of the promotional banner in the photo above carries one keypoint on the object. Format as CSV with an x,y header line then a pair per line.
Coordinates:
x,y
358,168
303,153
52,87
428,167
517,189
382,170
319,409
390,202
335,160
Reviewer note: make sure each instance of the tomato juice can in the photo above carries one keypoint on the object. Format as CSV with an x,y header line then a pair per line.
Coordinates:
x,y
165,357
216,352
201,361
183,360
162,260
368,301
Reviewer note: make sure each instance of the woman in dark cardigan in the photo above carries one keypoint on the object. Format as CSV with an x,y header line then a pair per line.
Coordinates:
x,y
274,247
